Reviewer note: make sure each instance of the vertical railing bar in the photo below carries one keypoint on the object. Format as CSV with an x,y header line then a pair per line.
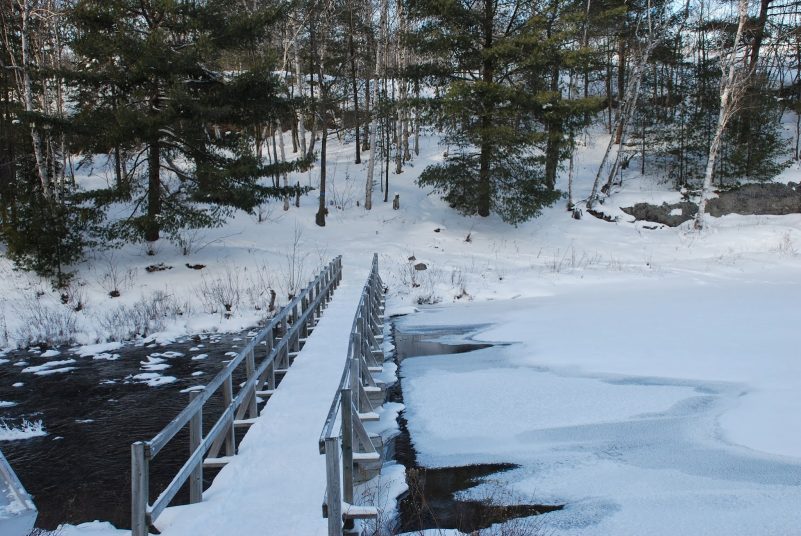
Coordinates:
x,y
140,485
347,445
228,398
333,491
195,438
250,363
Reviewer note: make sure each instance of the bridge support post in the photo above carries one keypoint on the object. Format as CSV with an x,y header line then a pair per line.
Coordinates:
x,y
333,491
140,485
347,445
195,438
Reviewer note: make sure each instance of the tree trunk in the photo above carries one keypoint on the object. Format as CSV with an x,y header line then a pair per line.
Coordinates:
x,y
621,85
299,81
488,74
368,189
319,52
354,82
759,33
153,191
283,160
27,92
730,92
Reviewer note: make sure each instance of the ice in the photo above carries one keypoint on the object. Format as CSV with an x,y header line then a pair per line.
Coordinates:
x,y
50,367
153,379
25,430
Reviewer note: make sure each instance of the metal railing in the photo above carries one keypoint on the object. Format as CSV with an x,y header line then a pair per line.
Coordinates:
x,y
281,337
361,455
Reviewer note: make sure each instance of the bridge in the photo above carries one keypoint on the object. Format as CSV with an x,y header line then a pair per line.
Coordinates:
x,y
313,365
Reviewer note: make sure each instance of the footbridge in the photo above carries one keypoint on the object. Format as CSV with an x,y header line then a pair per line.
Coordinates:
x,y
257,424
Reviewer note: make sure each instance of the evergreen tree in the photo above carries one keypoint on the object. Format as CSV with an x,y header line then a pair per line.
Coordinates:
x,y
505,116
152,77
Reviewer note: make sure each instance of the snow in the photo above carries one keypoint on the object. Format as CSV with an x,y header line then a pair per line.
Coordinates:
x,y
620,401
651,384
50,367
281,447
90,350
153,379
25,430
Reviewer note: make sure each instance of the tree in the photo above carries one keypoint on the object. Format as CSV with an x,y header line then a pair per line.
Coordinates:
x,y
152,76
504,108
732,85
45,223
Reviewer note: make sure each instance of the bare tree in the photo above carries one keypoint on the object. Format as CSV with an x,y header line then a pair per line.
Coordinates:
x,y
368,195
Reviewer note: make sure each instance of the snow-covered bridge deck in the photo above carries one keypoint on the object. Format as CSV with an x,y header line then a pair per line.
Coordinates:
x,y
274,484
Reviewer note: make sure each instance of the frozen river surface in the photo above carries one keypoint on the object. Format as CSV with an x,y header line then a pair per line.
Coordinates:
x,y
607,412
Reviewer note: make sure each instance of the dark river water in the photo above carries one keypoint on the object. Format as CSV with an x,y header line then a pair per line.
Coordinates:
x,y
80,470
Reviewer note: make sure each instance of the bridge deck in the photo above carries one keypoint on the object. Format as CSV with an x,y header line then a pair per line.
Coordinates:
x,y
275,484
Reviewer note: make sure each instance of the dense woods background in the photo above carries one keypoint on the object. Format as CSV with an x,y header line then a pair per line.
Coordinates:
x,y
199,108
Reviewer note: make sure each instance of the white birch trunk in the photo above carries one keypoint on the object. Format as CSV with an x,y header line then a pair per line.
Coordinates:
x,y
299,81
283,159
27,92
368,189
730,91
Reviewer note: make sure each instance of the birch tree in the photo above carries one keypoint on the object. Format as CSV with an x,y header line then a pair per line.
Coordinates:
x,y
370,182
733,83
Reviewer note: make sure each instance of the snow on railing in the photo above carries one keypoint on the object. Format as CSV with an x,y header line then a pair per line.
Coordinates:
x,y
361,453
277,341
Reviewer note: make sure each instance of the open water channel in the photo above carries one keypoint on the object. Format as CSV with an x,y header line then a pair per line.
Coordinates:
x,y
92,407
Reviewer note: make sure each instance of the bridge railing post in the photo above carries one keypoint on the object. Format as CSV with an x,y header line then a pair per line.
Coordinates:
x,y
195,438
140,485
333,490
250,371
347,445
230,433
355,380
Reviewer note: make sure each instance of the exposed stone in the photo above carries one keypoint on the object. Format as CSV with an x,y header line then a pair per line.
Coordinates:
x,y
750,199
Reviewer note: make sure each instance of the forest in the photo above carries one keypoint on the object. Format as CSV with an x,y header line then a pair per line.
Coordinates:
x,y
185,105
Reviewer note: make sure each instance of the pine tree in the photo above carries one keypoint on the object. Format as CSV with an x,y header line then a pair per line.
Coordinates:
x,y
152,78
503,109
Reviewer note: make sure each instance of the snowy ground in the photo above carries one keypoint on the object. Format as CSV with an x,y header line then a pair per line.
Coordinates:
x,y
618,326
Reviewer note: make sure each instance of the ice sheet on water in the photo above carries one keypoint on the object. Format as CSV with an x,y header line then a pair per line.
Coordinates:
x,y
95,349
24,430
47,368
627,454
153,379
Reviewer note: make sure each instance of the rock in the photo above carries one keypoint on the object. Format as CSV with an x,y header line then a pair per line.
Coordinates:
x,y
160,267
750,199
664,213
420,266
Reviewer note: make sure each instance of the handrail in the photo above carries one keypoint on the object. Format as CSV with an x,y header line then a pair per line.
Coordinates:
x,y
292,322
352,405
